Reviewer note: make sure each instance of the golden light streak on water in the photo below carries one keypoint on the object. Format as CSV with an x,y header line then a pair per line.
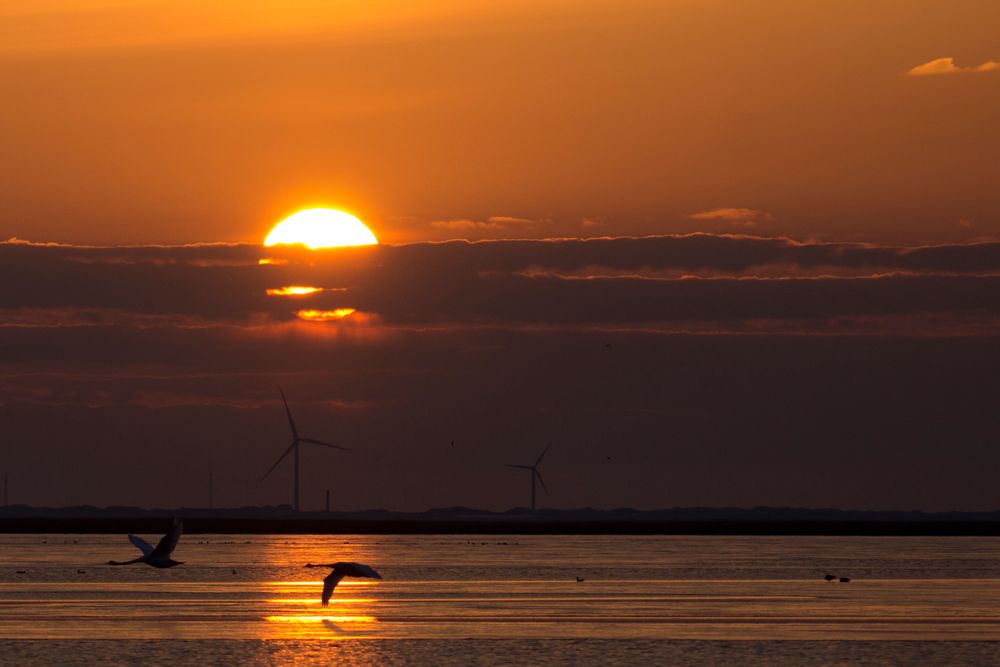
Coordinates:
x,y
318,619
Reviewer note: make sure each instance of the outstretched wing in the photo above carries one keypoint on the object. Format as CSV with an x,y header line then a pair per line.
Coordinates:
x,y
355,570
169,541
329,584
143,545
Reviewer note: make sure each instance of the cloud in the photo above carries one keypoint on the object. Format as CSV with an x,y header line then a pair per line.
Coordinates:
x,y
742,217
947,66
495,222
689,357
666,280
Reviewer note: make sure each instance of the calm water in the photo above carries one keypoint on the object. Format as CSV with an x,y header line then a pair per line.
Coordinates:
x,y
504,600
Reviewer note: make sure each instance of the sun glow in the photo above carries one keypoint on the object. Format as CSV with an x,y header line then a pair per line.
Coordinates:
x,y
293,290
324,315
321,228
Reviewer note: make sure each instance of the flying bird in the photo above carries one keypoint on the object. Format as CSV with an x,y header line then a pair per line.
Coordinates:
x,y
341,570
160,556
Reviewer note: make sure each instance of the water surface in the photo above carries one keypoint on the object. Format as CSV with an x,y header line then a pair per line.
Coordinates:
x,y
509,598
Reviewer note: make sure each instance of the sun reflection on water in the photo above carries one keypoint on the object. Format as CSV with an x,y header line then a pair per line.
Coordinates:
x,y
314,601
318,619
291,606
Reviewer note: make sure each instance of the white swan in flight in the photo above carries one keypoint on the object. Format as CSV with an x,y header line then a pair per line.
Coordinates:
x,y
341,570
160,556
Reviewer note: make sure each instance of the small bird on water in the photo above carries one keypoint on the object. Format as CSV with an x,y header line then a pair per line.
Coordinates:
x,y
844,580
580,580
160,556
830,577
341,570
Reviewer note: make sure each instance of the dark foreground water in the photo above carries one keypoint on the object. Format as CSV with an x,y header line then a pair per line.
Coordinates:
x,y
504,600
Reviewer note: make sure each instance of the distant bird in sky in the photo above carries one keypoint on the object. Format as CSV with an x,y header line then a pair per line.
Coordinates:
x,y
160,556
294,447
830,577
341,570
534,475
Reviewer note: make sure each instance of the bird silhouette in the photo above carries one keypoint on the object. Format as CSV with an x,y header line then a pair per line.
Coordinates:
x,y
830,577
844,580
341,570
580,580
160,556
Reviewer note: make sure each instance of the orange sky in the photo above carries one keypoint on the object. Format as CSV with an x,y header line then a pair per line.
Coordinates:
x,y
157,121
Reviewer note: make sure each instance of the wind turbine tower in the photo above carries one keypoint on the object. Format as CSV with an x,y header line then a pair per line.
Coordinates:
x,y
535,474
294,449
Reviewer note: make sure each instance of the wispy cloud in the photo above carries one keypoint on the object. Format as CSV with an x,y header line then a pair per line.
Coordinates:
x,y
742,217
493,222
947,66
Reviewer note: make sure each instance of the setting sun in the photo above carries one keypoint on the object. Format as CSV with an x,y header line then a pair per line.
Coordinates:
x,y
321,228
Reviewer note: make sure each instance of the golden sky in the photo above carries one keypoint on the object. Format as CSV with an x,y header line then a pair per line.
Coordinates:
x,y
183,121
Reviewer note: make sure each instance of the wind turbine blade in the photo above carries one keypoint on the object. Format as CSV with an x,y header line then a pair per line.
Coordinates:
x,y
291,422
325,444
280,459
539,476
511,465
542,455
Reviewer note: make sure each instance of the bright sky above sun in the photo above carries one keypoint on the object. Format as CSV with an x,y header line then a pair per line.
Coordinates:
x,y
183,121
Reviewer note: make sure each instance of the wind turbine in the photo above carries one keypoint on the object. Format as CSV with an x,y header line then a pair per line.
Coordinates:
x,y
534,474
294,447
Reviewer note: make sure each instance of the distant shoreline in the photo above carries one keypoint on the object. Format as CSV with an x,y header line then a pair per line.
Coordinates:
x,y
319,526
